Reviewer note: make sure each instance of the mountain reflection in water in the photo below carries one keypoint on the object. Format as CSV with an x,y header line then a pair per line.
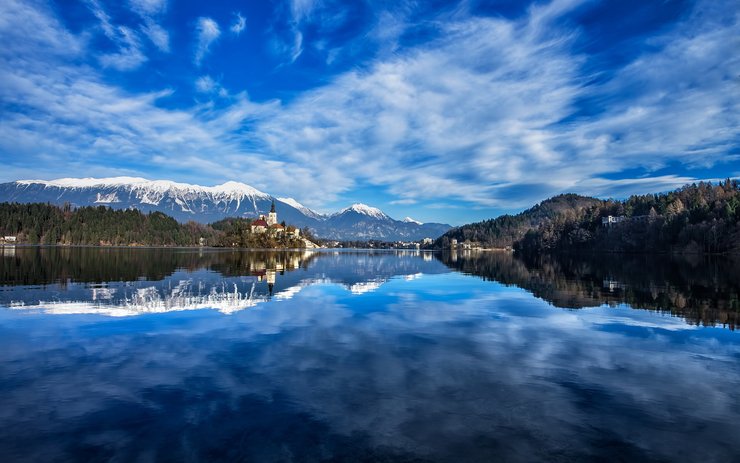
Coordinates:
x,y
121,282
131,281
365,356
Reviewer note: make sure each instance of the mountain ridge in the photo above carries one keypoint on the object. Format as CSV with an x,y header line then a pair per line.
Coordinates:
x,y
208,204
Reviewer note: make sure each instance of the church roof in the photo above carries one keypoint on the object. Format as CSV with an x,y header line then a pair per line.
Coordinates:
x,y
276,225
259,223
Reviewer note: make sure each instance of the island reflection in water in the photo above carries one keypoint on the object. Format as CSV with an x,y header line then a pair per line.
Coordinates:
x,y
365,356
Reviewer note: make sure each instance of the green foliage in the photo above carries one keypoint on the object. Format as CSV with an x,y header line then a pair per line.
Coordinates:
x,y
695,218
506,230
48,224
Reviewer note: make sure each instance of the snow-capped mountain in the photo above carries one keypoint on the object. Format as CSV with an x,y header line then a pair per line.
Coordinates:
x,y
362,222
364,209
208,204
410,220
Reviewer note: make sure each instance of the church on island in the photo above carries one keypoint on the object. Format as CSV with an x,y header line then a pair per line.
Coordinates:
x,y
270,224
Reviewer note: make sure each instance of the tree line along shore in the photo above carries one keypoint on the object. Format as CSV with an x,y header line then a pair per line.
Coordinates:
x,y
696,218
38,223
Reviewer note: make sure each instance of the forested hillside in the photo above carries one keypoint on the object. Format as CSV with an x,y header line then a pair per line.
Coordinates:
x,y
701,217
49,224
507,230
696,218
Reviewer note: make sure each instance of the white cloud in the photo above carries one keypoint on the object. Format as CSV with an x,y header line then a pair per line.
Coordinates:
x,y
149,10
149,7
207,31
33,29
157,34
129,55
301,9
205,84
407,121
238,24
476,114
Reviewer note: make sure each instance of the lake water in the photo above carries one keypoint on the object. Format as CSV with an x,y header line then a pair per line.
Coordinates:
x,y
201,355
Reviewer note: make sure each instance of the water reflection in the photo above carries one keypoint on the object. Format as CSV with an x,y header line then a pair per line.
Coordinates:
x,y
123,282
703,290
134,281
374,357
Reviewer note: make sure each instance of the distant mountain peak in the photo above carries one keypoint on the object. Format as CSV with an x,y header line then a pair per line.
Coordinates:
x,y
364,209
410,220
238,187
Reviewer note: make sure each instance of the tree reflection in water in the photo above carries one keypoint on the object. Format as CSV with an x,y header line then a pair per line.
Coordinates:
x,y
703,290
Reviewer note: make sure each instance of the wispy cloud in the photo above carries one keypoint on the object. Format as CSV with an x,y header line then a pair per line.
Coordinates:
x,y
149,7
490,105
488,111
206,84
129,55
238,24
149,11
207,32
403,201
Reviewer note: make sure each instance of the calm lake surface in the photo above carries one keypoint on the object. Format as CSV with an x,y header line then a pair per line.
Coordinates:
x,y
219,355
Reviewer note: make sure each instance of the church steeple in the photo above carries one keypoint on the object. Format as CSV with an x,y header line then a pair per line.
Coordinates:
x,y
272,216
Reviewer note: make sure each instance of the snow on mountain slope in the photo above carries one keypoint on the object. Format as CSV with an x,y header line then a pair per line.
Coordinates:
x,y
364,209
159,186
309,212
180,200
410,220
208,204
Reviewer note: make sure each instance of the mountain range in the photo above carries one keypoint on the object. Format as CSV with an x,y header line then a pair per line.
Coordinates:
x,y
204,204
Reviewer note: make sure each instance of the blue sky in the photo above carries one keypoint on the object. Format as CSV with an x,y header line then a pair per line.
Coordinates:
x,y
443,110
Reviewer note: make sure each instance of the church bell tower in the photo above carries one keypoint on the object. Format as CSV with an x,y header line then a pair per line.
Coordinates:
x,y
272,216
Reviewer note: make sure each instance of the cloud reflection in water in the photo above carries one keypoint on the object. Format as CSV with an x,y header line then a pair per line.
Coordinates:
x,y
442,367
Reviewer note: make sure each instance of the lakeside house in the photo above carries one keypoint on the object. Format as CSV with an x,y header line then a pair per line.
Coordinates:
x,y
611,219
